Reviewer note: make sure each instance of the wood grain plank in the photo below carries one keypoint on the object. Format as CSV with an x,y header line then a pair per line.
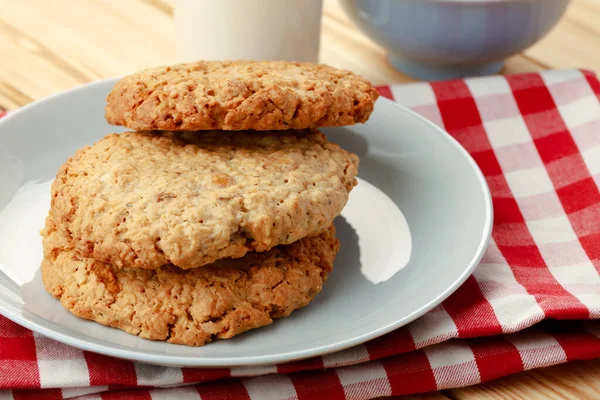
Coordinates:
x,y
164,6
30,43
575,41
26,74
11,97
575,380
586,14
114,37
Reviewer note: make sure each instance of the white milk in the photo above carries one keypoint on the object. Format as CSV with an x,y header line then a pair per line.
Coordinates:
x,y
248,29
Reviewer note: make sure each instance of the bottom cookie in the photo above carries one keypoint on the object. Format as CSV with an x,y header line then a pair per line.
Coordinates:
x,y
191,307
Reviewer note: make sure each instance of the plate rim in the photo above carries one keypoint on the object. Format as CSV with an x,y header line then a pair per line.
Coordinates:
x,y
208,362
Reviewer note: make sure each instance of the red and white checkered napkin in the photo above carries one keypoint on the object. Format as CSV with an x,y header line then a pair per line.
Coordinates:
x,y
536,137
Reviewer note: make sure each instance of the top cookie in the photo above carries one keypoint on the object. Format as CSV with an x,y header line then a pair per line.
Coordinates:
x,y
240,95
143,200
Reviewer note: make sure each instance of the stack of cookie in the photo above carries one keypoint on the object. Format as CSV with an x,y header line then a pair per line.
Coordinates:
x,y
216,215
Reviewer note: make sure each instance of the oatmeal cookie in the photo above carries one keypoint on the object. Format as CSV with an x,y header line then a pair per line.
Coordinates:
x,y
144,200
190,307
240,95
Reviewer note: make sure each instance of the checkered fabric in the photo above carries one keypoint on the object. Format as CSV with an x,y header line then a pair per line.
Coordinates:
x,y
531,302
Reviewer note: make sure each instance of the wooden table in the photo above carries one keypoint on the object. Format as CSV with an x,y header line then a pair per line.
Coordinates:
x,y
65,43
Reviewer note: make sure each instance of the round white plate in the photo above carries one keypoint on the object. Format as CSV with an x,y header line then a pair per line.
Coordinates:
x,y
407,163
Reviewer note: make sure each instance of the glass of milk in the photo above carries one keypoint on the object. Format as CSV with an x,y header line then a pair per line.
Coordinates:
x,y
248,29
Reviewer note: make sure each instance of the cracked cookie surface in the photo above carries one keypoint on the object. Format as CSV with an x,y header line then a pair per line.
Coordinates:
x,y
190,307
240,95
144,200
